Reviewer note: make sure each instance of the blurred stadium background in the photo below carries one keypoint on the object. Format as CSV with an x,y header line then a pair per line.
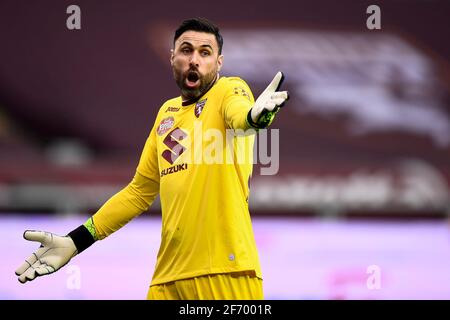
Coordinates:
x,y
364,173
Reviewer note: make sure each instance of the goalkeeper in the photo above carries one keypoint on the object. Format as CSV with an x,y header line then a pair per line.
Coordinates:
x,y
207,249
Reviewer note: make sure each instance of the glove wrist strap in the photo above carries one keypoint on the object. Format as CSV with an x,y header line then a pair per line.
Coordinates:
x,y
250,121
82,238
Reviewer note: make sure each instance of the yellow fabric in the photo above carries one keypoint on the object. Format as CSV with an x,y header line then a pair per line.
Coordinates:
x,y
128,203
206,225
239,286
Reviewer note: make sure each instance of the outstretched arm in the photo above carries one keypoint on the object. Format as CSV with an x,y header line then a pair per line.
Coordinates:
x,y
242,112
56,251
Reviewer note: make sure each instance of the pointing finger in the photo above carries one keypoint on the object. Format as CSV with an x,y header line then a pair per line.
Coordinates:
x,y
276,82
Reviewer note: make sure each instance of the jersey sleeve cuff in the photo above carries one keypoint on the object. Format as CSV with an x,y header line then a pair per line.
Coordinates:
x,y
90,226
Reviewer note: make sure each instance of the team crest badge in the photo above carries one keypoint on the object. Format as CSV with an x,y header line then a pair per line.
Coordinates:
x,y
165,125
199,107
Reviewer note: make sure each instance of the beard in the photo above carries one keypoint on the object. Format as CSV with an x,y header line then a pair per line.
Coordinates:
x,y
193,74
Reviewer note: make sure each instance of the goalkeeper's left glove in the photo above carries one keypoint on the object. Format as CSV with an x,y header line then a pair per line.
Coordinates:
x,y
268,104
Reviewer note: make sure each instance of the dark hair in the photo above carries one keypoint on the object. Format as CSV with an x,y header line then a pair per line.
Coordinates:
x,y
200,25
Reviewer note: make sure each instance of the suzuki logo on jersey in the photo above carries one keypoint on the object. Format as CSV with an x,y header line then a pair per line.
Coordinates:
x,y
165,125
175,148
174,169
199,107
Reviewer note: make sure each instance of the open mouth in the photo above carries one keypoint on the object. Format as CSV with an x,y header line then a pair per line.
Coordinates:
x,y
192,79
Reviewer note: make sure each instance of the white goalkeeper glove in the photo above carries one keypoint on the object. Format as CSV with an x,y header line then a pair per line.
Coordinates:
x,y
268,104
55,251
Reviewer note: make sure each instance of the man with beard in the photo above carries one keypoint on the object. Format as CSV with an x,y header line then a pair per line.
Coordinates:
x,y
208,250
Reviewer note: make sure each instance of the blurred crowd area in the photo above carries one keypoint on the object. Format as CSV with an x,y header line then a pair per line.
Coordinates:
x,y
366,131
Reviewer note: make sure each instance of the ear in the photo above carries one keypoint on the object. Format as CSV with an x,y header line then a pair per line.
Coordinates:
x,y
171,57
219,62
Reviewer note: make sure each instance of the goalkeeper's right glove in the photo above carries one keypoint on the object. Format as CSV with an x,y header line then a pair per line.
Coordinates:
x,y
55,252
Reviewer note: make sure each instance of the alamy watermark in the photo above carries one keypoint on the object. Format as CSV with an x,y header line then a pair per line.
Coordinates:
x,y
374,20
73,281
374,280
184,147
73,21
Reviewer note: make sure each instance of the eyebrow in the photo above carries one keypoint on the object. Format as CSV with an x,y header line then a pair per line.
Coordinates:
x,y
202,46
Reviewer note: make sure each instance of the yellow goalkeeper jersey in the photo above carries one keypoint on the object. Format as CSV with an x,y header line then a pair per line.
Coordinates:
x,y
199,160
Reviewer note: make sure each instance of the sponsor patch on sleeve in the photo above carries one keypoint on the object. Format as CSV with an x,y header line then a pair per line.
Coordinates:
x,y
240,91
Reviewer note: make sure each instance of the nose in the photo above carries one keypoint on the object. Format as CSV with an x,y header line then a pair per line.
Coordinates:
x,y
194,61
